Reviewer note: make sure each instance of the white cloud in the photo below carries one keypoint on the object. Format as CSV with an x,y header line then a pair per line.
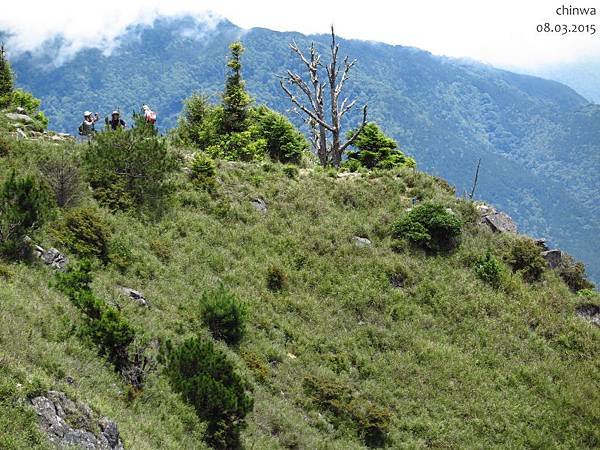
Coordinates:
x,y
497,32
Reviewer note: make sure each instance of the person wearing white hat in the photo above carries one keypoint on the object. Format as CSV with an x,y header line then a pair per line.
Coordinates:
x,y
87,126
115,121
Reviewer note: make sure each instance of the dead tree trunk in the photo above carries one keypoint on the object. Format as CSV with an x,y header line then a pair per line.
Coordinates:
x,y
329,151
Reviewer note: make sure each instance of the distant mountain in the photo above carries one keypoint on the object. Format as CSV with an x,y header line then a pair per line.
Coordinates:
x,y
583,76
539,140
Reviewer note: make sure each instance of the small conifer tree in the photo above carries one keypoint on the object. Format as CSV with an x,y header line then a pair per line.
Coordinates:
x,y
6,79
235,97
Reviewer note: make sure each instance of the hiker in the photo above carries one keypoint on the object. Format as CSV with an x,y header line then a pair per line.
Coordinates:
x,y
115,121
87,126
149,115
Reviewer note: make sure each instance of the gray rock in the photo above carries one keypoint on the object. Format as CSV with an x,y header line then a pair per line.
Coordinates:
x,y
24,118
589,312
20,110
500,222
69,423
361,241
109,431
553,258
82,439
20,134
54,259
136,296
49,418
348,175
484,209
260,205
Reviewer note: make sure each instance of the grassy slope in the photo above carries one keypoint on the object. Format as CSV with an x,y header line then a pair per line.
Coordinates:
x,y
458,364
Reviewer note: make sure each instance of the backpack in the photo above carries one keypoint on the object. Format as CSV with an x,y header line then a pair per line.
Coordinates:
x,y
150,116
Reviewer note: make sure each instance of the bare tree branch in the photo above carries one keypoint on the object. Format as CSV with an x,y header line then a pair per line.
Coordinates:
x,y
304,108
358,131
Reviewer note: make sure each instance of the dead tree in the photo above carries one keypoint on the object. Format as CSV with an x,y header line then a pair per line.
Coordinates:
x,y
475,180
329,150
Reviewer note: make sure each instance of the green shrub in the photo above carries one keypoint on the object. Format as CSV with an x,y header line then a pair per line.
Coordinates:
x,y
61,168
199,124
588,293
224,315
120,253
429,226
129,167
573,274
84,232
203,171
162,249
276,279
525,258
24,205
376,150
31,105
239,146
6,272
291,171
371,420
103,324
490,270
208,381
284,143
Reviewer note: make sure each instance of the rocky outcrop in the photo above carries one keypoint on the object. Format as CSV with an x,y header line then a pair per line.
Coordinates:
x,y
348,175
17,117
498,221
260,205
68,423
589,312
136,296
51,257
24,126
553,257
361,241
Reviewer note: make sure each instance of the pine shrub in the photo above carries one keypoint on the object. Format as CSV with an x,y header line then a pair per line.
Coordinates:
x,y
129,168
224,315
103,324
24,206
208,381
276,279
429,226
525,258
203,171
84,232
573,274
490,270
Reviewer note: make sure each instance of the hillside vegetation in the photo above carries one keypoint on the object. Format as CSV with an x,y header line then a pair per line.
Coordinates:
x,y
344,345
218,288
538,139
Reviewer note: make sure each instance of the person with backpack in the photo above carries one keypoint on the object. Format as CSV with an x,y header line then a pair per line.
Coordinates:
x,y
115,121
87,126
149,115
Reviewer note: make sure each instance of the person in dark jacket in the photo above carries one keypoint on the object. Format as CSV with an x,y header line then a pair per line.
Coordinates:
x,y
115,121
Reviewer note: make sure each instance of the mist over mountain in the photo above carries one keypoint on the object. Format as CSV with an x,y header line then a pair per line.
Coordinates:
x,y
538,139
